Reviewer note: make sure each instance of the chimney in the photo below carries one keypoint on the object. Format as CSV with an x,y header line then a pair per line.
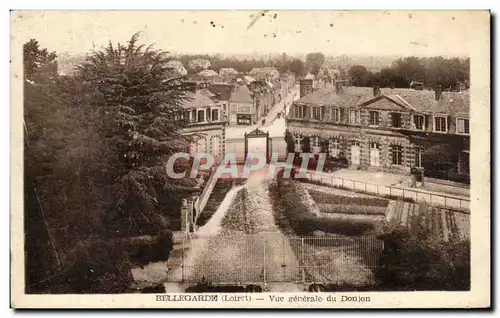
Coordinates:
x,y
438,91
306,87
376,90
338,87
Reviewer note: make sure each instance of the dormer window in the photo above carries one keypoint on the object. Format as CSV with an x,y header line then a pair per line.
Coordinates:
x,y
374,118
396,120
316,113
354,117
463,126
440,124
418,122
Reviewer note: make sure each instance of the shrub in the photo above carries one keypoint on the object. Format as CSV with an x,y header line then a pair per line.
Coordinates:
x,y
418,258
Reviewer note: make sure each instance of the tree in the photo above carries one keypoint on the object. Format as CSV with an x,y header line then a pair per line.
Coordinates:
x,y
38,63
297,67
290,143
358,75
141,111
306,144
314,61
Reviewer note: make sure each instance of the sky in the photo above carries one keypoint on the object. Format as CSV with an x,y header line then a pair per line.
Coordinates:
x,y
391,33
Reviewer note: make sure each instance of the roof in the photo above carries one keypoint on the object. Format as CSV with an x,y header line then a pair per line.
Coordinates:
x,y
418,100
198,99
221,90
241,94
249,79
227,71
208,73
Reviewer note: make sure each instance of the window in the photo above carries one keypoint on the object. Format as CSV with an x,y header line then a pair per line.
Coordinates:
x,y
316,113
462,126
418,122
418,157
298,143
396,120
201,115
334,147
374,120
208,113
354,117
193,115
336,115
215,114
397,155
440,124
298,111
463,163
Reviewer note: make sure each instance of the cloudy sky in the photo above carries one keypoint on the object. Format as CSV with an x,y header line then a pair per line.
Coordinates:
x,y
295,32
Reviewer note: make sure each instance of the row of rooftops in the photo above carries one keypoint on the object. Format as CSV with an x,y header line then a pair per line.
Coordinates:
x,y
205,93
423,101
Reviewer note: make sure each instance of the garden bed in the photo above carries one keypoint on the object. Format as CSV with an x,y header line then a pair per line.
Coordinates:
x,y
351,209
327,198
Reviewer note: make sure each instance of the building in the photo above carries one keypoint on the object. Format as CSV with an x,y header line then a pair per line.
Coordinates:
x,y
206,123
384,129
265,73
241,109
229,71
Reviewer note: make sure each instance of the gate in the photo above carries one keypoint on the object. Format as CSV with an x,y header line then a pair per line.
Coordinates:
x,y
273,257
257,135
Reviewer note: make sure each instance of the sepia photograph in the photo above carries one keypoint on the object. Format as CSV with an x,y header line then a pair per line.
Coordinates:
x,y
250,158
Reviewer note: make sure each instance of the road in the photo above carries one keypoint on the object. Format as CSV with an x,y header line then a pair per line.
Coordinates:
x,y
238,132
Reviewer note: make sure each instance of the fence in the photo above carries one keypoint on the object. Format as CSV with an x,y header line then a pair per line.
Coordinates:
x,y
273,257
450,202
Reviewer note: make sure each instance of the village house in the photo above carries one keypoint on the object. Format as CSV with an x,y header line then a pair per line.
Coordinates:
x,y
266,73
383,129
206,123
241,109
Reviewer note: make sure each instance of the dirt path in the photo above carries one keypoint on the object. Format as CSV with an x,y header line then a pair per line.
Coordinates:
x,y
242,244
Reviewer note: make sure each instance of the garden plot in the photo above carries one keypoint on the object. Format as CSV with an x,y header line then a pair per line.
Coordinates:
x,y
342,204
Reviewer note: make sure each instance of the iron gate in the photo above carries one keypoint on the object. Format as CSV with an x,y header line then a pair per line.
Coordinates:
x,y
274,257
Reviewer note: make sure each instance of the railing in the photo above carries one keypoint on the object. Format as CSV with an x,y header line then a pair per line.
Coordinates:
x,y
207,190
273,257
451,202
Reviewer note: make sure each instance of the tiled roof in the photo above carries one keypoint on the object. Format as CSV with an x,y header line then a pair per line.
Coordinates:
x,y
198,99
241,94
222,91
421,100
424,101
208,73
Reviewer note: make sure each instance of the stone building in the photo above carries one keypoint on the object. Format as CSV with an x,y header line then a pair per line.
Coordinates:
x,y
206,122
382,129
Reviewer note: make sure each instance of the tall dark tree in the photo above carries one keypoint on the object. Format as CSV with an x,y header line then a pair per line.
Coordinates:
x,y
314,61
38,63
141,109
358,74
297,67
